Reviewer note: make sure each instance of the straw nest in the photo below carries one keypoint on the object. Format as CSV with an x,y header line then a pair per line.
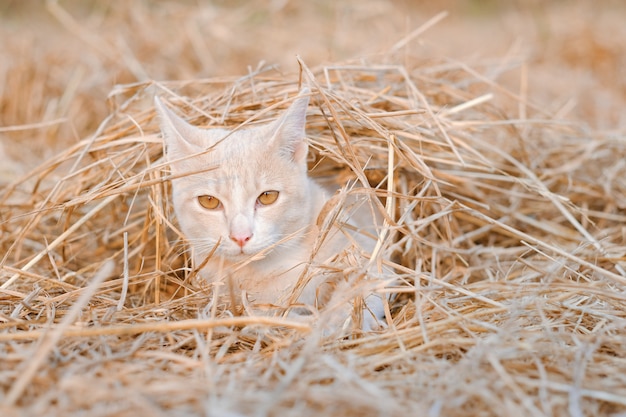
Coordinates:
x,y
504,232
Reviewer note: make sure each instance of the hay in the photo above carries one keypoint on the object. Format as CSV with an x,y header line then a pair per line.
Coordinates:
x,y
505,231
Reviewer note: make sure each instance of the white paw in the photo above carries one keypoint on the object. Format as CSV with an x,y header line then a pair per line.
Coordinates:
x,y
373,315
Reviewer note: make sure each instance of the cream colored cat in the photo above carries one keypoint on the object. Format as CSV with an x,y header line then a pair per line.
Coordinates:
x,y
249,211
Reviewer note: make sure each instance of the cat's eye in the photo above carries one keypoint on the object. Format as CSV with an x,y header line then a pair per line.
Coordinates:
x,y
268,197
209,202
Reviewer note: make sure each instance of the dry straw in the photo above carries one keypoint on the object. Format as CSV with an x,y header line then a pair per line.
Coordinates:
x,y
504,234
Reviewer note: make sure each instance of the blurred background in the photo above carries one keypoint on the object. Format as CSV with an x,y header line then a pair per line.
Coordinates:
x,y
59,60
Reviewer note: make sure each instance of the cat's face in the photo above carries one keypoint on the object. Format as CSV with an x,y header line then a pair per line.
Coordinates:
x,y
239,193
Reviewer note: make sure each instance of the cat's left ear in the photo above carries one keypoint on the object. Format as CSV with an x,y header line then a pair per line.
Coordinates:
x,y
288,131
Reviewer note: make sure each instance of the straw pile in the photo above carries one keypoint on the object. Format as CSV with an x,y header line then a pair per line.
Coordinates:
x,y
505,232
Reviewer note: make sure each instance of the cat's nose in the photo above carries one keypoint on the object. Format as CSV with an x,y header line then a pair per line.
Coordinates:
x,y
241,230
241,239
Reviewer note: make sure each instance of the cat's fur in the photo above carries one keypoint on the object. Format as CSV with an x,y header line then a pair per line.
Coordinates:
x,y
258,250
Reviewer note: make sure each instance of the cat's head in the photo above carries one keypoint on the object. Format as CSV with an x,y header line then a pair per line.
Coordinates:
x,y
242,191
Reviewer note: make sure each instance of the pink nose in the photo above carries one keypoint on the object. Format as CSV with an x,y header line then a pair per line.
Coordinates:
x,y
241,240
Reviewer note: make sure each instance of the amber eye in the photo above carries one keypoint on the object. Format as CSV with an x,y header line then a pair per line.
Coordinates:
x,y
268,197
209,202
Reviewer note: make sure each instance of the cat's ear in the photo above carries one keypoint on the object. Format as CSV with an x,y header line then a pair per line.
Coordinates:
x,y
181,139
288,131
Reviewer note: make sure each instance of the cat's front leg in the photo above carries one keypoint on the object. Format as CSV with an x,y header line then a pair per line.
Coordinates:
x,y
347,309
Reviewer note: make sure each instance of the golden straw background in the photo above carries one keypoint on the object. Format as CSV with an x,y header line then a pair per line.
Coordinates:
x,y
494,134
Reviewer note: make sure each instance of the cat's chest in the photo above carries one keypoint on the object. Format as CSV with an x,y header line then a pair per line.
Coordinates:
x,y
265,280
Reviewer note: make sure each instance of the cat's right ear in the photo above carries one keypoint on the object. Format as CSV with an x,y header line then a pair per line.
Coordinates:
x,y
289,134
179,136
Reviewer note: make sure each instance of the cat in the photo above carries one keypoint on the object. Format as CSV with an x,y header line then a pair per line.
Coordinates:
x,y
252,215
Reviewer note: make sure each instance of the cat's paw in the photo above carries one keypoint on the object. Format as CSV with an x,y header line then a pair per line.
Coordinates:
x,y
370,323
373,315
